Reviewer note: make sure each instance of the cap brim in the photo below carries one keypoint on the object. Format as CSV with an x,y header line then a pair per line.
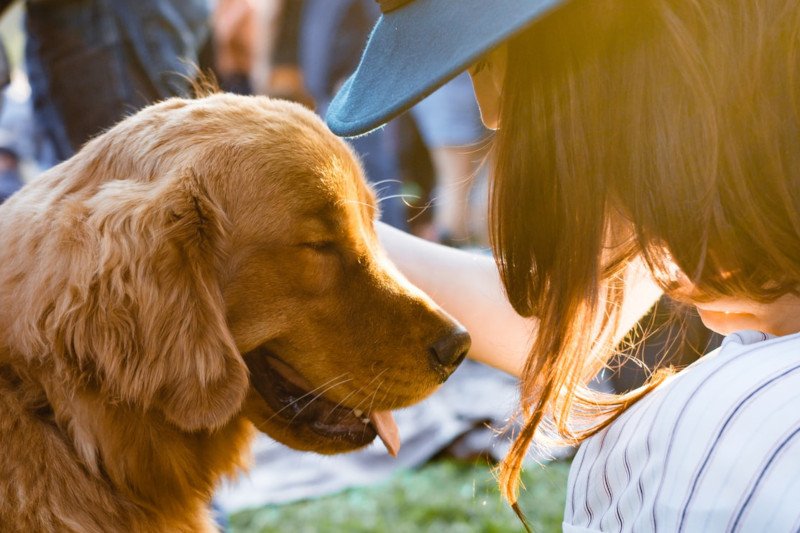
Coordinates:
x,y
414,50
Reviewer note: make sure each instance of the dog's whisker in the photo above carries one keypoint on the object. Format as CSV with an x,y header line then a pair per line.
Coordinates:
x,y
312,392
339,404
356,391
421,210
387,180
317,396
378,375
318,391
385,392
325,384
374,394
356,202
404,197
360,389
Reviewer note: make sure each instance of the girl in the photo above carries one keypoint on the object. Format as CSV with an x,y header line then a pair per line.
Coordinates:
x,y
640,144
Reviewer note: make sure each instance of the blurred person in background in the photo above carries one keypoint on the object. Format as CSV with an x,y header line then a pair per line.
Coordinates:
x,y
285,78
236,33
450,124
10,179
331,34
92,62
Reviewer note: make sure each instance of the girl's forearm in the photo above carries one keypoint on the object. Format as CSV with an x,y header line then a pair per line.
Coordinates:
x,y
468,286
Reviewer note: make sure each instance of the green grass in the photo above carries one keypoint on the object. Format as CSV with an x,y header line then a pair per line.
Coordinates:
x,y
444,496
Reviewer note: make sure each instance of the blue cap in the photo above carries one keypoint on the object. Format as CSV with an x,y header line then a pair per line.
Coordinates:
x,y
416,47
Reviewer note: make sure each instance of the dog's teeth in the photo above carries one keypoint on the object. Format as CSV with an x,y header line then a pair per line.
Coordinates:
x,y
358,412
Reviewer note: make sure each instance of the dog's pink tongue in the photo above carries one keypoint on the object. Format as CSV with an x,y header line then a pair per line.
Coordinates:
x,y
384,424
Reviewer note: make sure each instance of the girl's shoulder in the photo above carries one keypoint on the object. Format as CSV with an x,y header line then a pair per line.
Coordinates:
x,y
716,445
747,363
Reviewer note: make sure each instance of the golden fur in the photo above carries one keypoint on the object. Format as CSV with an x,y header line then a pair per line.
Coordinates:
x,y
134,277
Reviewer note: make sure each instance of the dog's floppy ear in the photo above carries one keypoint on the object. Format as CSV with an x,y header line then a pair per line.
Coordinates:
x,y
148,322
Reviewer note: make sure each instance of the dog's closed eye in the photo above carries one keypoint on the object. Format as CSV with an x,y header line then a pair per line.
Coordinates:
x,y
321,246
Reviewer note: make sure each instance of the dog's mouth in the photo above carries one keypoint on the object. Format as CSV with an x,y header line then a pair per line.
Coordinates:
x,y
298,403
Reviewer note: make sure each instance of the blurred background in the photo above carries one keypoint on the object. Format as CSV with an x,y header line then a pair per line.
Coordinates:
x,y
69,69
72,68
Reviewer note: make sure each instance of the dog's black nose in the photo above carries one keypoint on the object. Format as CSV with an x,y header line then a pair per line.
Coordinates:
x,y
451,349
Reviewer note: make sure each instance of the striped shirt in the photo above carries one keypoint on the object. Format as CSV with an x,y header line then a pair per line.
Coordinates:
x,y
715,448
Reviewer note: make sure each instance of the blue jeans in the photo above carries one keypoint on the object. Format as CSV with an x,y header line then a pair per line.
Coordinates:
x,y
93,62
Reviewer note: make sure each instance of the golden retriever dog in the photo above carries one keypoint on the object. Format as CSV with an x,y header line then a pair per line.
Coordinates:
x,y
203,268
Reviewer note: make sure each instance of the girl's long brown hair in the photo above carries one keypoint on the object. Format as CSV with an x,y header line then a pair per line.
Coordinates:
x,y
668,129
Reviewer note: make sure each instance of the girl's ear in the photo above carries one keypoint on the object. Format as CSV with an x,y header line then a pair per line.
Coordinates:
x,y
148,322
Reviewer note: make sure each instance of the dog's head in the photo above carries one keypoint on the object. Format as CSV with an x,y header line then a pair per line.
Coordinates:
x,y
210,240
